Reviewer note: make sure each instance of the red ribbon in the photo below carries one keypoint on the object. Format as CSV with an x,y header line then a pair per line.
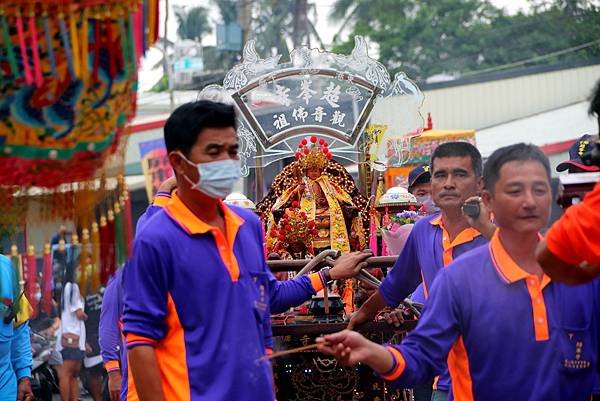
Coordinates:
x,y
30,277
24,57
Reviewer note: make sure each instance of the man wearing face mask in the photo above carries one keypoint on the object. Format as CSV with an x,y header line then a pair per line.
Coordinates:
x,y
197,291
419,184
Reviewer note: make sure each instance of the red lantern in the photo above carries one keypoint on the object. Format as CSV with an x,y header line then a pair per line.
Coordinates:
x,y
313,139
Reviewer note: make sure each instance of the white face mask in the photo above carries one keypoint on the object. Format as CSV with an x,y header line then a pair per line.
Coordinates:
x,y
428,205
216,178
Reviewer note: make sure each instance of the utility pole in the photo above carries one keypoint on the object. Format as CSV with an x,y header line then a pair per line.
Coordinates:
x,y
166,66
300,34
245,19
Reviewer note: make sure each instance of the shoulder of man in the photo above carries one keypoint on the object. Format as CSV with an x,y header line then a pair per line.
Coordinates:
x,y
465,263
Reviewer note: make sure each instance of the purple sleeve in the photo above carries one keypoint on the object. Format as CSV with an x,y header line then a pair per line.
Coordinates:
x,y
425,350
287,294
145,291
110,315
405,276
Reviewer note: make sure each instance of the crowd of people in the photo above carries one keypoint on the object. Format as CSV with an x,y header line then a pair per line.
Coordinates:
x,y
189,316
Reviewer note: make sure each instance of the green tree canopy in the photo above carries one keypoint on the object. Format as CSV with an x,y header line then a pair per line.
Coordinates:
x,y
428,37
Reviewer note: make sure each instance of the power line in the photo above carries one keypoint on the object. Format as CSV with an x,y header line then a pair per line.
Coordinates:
x,y
533,59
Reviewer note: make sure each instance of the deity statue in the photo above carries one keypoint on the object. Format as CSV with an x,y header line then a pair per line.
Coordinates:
x,y
322,192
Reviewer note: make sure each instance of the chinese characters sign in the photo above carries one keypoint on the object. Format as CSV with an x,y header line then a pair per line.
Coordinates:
x,y
155,165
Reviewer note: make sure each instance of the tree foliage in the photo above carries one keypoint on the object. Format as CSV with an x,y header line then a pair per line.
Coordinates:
x,y
428,37
192,23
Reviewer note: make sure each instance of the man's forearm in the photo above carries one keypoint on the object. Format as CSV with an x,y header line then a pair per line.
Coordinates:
x,y
146,374
561,271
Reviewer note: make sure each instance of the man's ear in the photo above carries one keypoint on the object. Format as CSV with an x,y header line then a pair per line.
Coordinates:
x,y
486,197
480,184
177,162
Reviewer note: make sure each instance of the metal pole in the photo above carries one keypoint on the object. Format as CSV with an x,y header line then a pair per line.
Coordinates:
x,y
258,174
166,66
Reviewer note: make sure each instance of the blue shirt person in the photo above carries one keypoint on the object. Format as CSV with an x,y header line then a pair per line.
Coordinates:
x,y
15,345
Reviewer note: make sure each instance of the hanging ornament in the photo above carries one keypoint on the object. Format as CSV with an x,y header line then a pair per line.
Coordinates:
x,y
8,47
47,301
30,276
119,236
49,45
23,46
96,260
35,50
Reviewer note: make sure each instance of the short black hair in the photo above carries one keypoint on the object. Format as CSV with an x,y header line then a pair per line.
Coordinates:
x,y
595,101
188,120
516,152
458,149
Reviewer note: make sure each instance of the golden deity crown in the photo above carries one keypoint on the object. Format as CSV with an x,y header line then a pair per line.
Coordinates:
x,y
313,153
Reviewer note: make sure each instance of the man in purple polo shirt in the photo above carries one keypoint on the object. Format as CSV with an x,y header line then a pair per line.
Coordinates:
x,y
197,291
436,240
522,336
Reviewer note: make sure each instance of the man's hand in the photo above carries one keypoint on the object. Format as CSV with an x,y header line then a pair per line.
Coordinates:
x,y
114,385
88,348
350,348
168,185
24,392
562,271
348,266
81,315
394,317
483,222
367,311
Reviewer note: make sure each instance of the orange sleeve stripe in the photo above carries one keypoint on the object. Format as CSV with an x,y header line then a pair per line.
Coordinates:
x,y
135,339
112,366
161,200
316,282
400,364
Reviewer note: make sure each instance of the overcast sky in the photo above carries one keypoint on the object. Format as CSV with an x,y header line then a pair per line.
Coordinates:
x,y
326,29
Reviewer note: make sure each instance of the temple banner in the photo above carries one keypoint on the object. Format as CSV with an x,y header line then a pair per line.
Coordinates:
x,y
155,165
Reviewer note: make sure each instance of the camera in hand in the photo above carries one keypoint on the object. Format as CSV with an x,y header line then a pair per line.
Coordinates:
x,y
471,209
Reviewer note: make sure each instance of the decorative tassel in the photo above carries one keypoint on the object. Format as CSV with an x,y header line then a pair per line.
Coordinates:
x,y
50,45
22,45
75,260
373,235
66,44
96,262
10,52
85,261
30,277
151,18
128,223
119,236
97,45
124,54
112,260
15,260
47,280
131,45
105,253
138,34
112,60
144,26
75,44
85,31
35,50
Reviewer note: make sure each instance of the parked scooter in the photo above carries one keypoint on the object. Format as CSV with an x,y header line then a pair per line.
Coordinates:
x,y
44,380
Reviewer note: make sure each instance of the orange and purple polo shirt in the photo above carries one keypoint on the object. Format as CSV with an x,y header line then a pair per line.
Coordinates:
x,y
201,298
427,250
521,337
